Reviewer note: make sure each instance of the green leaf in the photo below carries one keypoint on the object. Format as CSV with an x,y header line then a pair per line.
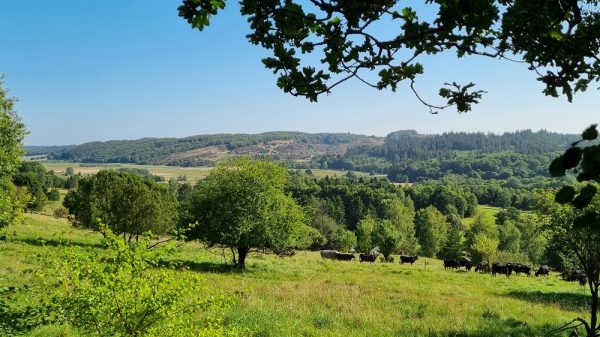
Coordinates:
x,y
557,167
585,196
572,157
585,221
590,133
565,195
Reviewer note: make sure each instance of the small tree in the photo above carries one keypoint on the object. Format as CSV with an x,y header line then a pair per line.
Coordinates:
x,y
454,247
484,248
386,236
364,232
348,241
402,214
242,205
129,204
432,230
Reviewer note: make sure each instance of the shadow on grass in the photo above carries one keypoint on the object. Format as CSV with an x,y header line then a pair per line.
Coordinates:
x,y
56,243
204,267
496,327
566,301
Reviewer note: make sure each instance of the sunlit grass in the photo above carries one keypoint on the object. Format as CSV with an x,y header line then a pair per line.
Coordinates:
x,y
307,296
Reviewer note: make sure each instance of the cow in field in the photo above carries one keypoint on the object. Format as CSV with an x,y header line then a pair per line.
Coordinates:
x,y
575,275
345,257
367,258
501,268
329,254
451,264
482,266
408,259
465,262
543,271
521,268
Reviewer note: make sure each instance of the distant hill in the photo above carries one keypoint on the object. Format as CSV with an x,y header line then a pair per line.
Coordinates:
x,y
404,156
202,150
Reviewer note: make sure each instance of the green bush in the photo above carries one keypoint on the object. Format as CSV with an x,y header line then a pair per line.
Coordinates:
x,y
129,294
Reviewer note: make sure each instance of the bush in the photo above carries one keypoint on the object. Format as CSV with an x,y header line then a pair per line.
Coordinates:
x,y
61,212
128,295
53,195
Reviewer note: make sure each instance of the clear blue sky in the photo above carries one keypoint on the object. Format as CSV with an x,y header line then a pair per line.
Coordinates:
x,y
100,70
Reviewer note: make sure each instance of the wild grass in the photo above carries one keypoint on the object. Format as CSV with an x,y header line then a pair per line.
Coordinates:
x,y
305,295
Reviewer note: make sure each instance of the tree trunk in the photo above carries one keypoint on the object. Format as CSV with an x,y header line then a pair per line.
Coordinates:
x,y
242,253
594,307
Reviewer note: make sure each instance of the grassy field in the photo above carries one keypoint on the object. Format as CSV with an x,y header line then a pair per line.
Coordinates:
x,y
193,174
307,296
488,212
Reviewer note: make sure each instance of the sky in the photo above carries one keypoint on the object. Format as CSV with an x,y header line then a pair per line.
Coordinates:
x,y
101,70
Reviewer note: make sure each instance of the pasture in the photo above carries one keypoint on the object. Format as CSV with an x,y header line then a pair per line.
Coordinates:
x,y
193,174
305,295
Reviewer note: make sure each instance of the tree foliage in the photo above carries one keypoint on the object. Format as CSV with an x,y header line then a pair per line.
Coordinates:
x,y
129,204
12,132
385,235
558,40
242,205
432,229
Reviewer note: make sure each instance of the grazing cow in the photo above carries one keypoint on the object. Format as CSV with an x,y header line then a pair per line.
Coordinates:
x,y
521,268
408,259
345,257
329,254
543,271
482,266
367,258
500,268
575,275
465,262
451,263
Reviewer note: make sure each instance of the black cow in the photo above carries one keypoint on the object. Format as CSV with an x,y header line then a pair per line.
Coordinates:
x,y
575,275
451,263
465,262
367,258
500,268
482,266
543,271
521,268
408,259
345,257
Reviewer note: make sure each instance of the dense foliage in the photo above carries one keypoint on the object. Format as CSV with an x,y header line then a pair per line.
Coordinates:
x,y
12,132
127,203
242,205
165,150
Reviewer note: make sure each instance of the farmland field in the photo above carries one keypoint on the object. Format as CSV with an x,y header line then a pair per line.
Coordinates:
x,y
307,296
192,174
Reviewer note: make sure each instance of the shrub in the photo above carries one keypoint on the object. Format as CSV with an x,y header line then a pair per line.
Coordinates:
x,y
128,295
61,212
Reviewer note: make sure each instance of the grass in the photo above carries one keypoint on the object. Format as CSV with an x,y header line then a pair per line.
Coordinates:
x,y
488,212
193,174
307,296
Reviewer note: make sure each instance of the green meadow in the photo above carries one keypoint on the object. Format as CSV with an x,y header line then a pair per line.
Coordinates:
x,y
305,295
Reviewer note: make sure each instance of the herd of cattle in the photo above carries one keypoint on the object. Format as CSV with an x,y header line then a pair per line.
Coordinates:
x,y
496,268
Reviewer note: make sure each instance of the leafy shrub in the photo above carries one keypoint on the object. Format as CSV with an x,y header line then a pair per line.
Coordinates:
x,y
129,295
61,212
53,195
